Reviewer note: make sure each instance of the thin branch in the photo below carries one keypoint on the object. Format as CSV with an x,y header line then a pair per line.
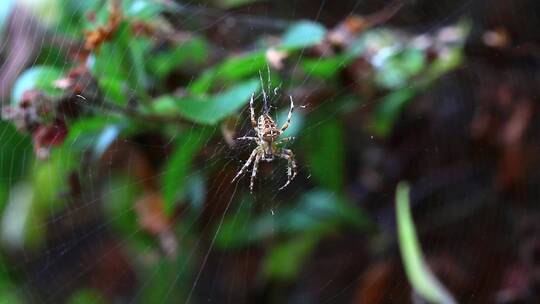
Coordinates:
x,y
111,107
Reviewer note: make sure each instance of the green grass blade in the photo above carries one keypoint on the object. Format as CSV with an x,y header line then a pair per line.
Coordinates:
x,y
420,276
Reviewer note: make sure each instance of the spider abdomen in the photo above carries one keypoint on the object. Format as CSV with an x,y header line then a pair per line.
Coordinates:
x,y
267,128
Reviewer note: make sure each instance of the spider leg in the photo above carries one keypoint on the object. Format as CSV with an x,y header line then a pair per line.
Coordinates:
x,y
247,138
265,98
252,112
289,116
284,140
246,165
291,166
254,172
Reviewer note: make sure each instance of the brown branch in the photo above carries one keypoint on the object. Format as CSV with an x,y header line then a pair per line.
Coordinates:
x,y
133,113
384,14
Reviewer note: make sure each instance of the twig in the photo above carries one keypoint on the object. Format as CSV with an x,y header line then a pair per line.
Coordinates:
x,y
384,14
132,113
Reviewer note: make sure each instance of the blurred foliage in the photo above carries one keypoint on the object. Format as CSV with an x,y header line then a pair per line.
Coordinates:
x,y
38,77
86,296
301,35
5,11
327,154
174,85
179,167
208,109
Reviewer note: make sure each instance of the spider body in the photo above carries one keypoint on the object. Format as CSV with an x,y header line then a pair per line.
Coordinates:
x,y
267,129
269,144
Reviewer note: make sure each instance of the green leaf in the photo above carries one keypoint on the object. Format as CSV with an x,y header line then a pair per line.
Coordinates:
x,y
317,212
237,228
326,155
375,39
119,196
390,107
16,158
138,49
243,66
228,4
86,296
192,52
52,56
398,69
17,216
285,260
23,218
303,34
212,109
443,64
420,276
204,83
178,168
84,133
73,16
165,105
15,154
232,69
37,77
166,280
196,191
121,61
327,206
325,68
113,89
9,296
8,290
300,35
321,212
49,179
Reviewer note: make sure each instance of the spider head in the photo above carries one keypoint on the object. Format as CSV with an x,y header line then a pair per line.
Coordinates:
x,y
267,128
268,156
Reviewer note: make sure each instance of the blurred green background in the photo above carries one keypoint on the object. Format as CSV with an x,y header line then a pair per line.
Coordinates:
x,y
117,150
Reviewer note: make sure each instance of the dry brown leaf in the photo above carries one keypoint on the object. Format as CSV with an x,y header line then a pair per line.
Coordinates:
x,y
154,220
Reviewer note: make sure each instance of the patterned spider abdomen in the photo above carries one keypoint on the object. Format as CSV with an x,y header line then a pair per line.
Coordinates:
x,y
267,128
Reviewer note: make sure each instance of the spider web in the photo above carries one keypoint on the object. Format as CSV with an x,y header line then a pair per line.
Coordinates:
x,y
85,253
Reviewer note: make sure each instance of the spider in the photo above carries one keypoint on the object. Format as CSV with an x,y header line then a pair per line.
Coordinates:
x,y
269,145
